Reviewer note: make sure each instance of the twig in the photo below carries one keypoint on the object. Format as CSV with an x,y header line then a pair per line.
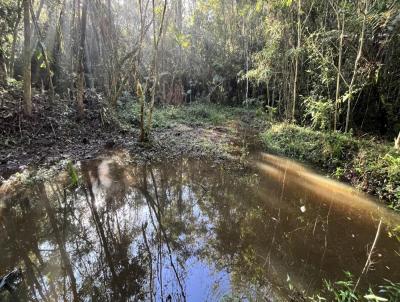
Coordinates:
x,y
51,124
368,262
151,260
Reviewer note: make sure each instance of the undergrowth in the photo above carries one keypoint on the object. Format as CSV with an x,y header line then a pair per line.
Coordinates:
x,y
196,114
344,291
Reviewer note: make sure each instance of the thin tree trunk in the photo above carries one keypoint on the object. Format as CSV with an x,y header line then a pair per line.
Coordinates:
x,y
81,69
155,65
44,53
58,49
360,49
139,90
141,96
15,37
179,18
335,119
296,70
27,60
34,33
246,50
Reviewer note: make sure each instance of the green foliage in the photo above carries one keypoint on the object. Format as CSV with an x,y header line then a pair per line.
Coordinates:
x,y
8,17
343,291
390,290
199,113
319,51
73,174
271,113
320,112
377,166
319,148
339,291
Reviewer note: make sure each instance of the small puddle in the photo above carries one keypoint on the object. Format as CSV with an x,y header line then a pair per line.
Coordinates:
x,y
190,230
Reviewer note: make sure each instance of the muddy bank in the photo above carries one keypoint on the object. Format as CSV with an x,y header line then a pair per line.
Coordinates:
x,y
367,164
53,133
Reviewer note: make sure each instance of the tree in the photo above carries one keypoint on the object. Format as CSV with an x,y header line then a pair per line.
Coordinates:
x,y
43,52
81,56
340,26
15,38
27,60
157,34
355,70
296,64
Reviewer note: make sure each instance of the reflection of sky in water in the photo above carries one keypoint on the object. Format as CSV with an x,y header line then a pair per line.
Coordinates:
x,y
205,283
289,222
201,282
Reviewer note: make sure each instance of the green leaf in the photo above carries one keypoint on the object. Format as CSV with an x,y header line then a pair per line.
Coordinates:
x,y
373,297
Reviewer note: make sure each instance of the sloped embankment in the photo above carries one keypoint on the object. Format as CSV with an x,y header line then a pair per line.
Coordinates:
x,y
371,166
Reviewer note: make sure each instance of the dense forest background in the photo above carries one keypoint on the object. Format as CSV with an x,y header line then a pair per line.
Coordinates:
x,y
333,65
178,107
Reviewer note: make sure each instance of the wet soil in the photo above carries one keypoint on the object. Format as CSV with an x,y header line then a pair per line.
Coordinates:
x,y
53,133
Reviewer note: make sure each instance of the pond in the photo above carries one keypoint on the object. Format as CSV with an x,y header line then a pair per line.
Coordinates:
x,y
191,230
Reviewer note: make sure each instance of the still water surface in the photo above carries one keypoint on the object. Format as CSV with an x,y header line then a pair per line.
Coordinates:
x,y
190,230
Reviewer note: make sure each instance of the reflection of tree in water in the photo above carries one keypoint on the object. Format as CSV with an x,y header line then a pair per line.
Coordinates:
x,y
129,233
19,245
87,243
237,223
56,241
92,237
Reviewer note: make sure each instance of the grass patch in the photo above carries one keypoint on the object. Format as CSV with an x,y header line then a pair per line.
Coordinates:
x,y
369,165
196,114
343,291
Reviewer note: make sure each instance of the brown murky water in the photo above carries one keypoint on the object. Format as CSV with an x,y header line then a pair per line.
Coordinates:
x,y
191,231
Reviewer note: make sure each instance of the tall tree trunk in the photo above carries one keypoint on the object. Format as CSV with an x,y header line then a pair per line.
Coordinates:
x,y
156,40
15,38
359,52
338,73
81,69
296,67
27,60
139,90
3,67
179,22
246,54
57,49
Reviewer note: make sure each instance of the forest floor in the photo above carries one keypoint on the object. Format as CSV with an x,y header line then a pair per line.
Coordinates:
x,y
53,134
199,130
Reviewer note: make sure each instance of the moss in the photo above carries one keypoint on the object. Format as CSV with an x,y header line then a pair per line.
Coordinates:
x,y
369,165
